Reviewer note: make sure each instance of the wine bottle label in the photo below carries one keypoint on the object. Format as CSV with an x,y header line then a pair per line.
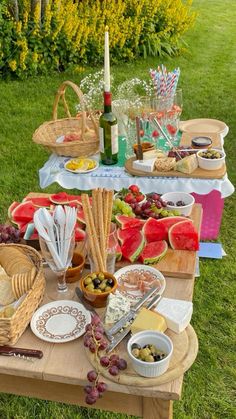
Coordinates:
x,y
114,139
101,139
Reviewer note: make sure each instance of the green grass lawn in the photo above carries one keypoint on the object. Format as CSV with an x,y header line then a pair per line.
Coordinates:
x,y
208,79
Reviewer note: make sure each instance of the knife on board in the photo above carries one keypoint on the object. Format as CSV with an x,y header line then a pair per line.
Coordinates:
x,y
121,335
20,352
132,313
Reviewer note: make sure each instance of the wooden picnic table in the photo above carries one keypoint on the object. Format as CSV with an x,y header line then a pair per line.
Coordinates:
x,y
61,374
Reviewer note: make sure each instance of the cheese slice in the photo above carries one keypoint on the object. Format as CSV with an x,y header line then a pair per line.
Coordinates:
x,y
148,320
144,165
177,313
117,306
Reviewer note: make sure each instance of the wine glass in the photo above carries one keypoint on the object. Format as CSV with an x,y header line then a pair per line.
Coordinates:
x,y
59,265
173,113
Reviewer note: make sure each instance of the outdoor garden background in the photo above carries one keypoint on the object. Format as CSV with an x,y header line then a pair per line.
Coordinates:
x,y
206,55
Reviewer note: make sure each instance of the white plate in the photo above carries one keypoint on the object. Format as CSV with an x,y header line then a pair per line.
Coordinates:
x,y
60,321
135,295
81,171
203,126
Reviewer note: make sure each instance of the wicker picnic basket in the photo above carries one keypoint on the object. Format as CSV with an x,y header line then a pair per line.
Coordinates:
x,y
84,124
12,328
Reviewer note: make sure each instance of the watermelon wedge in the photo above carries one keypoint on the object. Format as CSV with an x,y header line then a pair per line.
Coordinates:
x,y
133,246
22,226
24,212
129,222
80,216
64,198
153,252
40,201
123,235
11,208
154,231
184,236
79,234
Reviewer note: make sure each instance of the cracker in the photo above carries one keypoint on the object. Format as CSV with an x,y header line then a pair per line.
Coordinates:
x,y
6,294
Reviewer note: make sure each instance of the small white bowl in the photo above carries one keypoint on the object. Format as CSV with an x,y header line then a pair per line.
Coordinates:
x,y
210,164
162,342
187,198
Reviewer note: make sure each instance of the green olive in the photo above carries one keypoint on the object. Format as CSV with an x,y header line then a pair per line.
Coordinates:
x,y
144,352
101,275
97,291
88,280
107,289
149,358
103,285
135,352
90,287
93,276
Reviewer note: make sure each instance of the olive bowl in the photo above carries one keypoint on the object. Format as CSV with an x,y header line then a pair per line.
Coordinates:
x,y
96,298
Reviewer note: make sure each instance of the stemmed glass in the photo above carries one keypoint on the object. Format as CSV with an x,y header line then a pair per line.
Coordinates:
x,y
59,267
173,113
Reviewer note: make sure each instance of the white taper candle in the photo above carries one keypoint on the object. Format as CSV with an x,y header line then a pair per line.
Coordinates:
x,y
106,63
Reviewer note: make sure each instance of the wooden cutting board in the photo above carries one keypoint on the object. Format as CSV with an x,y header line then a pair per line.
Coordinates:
x,y
184,354
198,173
176,263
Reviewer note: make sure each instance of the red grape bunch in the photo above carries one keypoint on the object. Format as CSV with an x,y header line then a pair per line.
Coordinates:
x,y
95,341
9,234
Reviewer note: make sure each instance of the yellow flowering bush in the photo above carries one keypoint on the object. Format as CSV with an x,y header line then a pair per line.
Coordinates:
x,y
53,35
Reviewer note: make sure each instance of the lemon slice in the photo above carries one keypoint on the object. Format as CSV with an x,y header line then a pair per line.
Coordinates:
x,y
91,163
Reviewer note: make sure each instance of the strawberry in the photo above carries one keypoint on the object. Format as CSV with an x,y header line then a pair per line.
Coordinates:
x,y
155,133
129,198
139,198
134,189
171,129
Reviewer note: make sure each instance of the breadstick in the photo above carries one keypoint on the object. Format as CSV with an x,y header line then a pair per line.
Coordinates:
x,y
95,210
92,235
109,214
102,240
105,210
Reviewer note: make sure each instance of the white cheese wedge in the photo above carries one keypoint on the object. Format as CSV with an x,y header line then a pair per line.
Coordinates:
x,y
177,313
144,165
117,306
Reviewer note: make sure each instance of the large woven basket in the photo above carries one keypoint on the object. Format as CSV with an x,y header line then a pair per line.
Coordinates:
x,y
12,328
83,124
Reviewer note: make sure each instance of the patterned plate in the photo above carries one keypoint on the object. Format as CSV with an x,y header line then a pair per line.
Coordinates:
x,y
60,321
135,280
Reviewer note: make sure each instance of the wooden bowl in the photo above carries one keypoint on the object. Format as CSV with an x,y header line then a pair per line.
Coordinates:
x,y
98,300
73,273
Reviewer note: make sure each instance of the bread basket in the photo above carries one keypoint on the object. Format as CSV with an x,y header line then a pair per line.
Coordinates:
x,y
12,328
84,124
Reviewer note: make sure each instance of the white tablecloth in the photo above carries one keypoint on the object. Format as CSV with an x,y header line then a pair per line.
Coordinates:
x,y
116,178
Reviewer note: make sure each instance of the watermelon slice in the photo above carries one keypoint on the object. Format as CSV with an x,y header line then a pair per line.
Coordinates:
x,y
133,246
118,252
154,231
80,216
184,236
153,252
39,201
123,235
11,208
79,234
64,198
22,226
129,222
24,212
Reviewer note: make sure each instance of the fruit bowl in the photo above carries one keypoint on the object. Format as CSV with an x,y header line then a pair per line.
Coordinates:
x,y
131,196
210,159
181,201
161,342
96,294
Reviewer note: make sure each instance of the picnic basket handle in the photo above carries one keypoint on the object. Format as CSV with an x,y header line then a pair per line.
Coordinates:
x,y
61,95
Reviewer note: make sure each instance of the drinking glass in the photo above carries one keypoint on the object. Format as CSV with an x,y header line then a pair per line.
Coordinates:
x,y
173,113
65,246
111,251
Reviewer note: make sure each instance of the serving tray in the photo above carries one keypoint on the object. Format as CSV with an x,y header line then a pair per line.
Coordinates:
x,y
184,354
198,173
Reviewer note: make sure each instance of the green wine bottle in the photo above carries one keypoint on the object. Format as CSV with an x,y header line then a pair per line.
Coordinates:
x,y
108,133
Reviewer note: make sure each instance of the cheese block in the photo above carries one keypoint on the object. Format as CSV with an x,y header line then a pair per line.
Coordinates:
x,y
151,154
144,165
177,313
148,320
187,164
117,306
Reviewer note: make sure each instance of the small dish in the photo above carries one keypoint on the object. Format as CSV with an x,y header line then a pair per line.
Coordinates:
x,y
134,292
162,342
175,197
60,321
85,164
73,273
98,300
201,142
208,163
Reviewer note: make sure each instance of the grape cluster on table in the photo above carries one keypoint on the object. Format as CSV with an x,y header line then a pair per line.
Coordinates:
x,y
153,207
9,234
95,341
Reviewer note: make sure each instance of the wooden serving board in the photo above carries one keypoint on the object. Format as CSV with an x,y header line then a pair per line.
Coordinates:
x,y
176,263
198,173
184,354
